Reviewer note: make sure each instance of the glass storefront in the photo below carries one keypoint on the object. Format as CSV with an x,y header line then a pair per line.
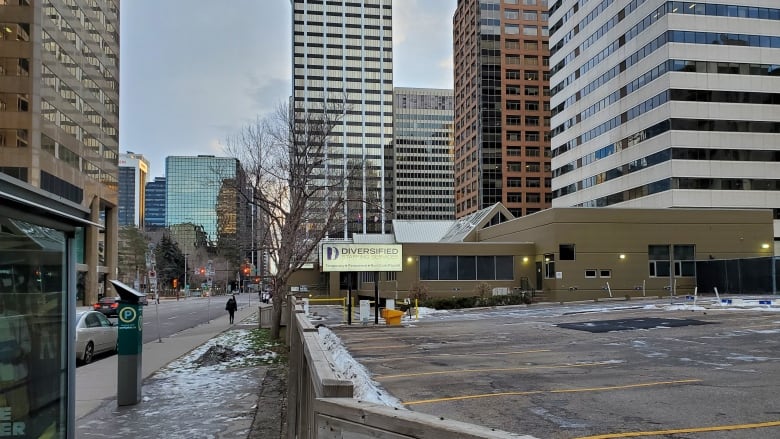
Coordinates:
x,y
33,329
37,311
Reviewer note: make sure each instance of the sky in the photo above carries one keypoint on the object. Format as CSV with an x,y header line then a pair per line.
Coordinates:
x,y
194,72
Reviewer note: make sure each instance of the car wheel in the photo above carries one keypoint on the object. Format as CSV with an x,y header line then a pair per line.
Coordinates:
x,y
89,352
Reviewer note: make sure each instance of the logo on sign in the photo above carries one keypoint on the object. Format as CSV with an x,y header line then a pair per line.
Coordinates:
x,y
332,253
127,315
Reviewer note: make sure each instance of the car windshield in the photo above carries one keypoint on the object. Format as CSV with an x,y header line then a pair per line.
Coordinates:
x,y
108,300
79,315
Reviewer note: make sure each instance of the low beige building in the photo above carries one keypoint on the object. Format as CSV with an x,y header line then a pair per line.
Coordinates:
x,y
560,254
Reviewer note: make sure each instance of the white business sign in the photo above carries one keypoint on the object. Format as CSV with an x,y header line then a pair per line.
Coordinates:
x,y
361,257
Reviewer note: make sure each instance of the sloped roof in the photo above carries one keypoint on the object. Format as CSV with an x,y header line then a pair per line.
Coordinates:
x,y
420,230
449,231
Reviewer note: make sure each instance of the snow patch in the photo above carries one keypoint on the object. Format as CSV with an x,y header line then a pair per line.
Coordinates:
x,y
347,368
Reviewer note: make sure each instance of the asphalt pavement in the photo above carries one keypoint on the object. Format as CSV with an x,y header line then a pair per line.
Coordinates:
x,y
223,405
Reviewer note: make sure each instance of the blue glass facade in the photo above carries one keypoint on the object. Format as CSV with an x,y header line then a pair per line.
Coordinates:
x,y
203,207
126,196
155,203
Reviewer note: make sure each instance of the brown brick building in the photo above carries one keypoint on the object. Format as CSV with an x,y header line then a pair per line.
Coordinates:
x,y
502,109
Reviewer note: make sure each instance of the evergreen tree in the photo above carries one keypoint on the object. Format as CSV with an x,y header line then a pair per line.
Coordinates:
x,y
170,262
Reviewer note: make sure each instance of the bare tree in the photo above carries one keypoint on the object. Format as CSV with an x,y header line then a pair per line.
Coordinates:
x,y
298,196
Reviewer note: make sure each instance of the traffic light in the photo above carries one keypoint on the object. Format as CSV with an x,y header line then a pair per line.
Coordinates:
x,y
175,283
202,271
245,270
257,280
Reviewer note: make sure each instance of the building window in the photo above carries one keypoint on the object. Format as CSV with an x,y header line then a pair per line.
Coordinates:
x,y
684,260
566,251
466,268
513,74
549,266
658,259
590,273
605,273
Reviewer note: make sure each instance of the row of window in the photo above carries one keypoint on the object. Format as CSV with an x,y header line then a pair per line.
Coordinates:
x,y
713,96
466,268
693,37
667,184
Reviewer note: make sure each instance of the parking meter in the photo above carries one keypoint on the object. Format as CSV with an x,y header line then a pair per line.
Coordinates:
x,y
129,344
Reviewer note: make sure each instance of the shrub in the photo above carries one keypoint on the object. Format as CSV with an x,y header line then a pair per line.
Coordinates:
x,y
475,301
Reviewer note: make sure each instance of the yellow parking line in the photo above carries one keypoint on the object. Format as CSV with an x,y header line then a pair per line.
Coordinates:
x,y
368,348
685,430
536,392
502,369
485,354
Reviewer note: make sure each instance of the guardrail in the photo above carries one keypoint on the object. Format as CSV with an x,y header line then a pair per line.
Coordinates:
x,y
320,404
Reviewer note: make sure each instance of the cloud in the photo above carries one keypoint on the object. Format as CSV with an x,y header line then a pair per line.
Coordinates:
x,y
422,43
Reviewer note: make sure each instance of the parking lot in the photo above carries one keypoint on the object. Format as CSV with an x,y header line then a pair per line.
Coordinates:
x,y
630,369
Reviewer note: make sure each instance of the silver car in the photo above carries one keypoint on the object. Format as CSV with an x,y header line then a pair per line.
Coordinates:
x,y
95,334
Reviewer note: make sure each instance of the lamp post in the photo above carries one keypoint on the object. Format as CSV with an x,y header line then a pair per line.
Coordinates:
x,y
185,275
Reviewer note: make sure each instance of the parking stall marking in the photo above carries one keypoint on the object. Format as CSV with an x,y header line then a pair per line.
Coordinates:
x,y
538,392
500,369
685,430
478,354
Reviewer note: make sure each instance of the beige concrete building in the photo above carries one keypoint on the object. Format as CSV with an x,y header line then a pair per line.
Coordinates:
x,y
59,116
563,254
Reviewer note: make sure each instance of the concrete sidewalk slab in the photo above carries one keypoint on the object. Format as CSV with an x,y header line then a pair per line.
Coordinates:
x,y
96,383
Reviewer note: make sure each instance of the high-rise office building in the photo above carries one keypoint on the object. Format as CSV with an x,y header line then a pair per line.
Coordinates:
x,y
59,115
343,62
206,204
154,210
133,172
422,129
666,104
502,113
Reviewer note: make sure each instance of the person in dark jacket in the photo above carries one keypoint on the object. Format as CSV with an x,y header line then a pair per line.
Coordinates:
x,y
231,307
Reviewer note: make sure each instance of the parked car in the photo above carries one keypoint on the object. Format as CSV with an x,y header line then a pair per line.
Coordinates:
x,y
107,305
95,334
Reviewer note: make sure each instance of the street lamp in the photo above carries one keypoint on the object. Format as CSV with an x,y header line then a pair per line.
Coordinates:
x,y
185,275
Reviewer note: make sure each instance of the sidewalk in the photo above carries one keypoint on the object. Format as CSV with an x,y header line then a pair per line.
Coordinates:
x,y
200,403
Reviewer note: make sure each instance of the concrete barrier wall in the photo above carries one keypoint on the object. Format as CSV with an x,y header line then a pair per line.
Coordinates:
x,y
320,405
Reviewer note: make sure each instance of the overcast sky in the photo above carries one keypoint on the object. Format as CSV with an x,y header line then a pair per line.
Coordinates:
x,y
193,72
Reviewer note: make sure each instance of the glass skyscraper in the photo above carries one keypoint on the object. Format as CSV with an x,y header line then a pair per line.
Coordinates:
x,y
155,203
203,205
133,170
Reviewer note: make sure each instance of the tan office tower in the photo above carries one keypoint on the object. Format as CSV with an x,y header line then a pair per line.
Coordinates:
x,y
343,61
502,112
59,116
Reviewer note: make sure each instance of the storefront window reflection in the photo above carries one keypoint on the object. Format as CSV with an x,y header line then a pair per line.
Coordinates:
x,y
33,331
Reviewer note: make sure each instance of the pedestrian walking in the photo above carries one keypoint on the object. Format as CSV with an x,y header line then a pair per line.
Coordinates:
x,y
231,306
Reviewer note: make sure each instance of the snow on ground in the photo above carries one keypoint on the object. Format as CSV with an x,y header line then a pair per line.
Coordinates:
x,y
243,354
346,367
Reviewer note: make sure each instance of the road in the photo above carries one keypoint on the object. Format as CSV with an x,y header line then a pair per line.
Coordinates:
x,y
171,316
574,372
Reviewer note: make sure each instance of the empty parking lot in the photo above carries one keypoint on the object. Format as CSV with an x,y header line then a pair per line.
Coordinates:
x,y
576,371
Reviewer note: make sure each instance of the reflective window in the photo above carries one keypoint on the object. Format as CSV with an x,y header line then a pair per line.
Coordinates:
x,y
33,331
